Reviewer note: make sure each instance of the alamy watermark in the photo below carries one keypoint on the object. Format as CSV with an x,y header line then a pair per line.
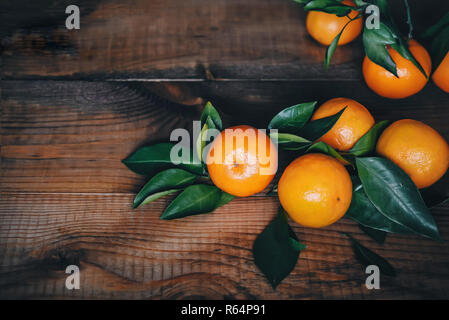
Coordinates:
x,y
372,20
373,280
72,282
73,20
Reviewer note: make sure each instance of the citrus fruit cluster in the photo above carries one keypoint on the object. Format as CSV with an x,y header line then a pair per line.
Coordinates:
x,y
316,189
343,162
346,165
393,67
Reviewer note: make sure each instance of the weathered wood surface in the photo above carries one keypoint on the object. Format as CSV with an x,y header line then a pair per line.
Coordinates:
x,y
70,136
136,255
66,198
171,39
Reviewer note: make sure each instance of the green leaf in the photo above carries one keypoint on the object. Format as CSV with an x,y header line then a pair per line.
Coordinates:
x,y
375,42
301,1
331,48
395,195
402,48
438,193
293,118
330,6
323,147
367,143
440,47
163,181
363,211
318,128
297,245
367,257
200,143
196,199
224,199
284,138
289,141
360,3
149,160
156,196
210,111
205,138
436,28
409,21
276,250
377,235
383,6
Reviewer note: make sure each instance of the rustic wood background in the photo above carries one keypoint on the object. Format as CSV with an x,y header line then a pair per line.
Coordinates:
x,y
74,103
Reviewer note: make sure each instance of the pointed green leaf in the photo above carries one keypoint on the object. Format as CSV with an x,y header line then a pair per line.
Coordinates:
x,y
402,48
377,235
360,3
157,195
367,257
210,111
301,1
293,118
438,193
331,48
289,141
409,21
375,42
440,47
318,128
367,143
329,6
165,180
200,143
297,245
224,199
323,147
276,250
149,160
363,211
196,199
395,195
436,28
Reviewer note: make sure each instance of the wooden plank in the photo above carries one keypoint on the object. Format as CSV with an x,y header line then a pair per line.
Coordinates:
x,y
136,255
69,136
172,39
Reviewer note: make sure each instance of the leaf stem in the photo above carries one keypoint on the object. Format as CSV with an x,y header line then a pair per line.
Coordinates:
x,y
409,21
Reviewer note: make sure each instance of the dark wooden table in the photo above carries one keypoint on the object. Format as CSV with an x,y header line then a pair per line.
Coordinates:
x,y
76,102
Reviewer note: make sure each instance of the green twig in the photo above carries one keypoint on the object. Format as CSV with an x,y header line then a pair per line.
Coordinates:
x,y
409,21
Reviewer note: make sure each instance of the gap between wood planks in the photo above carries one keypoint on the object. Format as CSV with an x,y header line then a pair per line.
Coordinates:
x,y
220,80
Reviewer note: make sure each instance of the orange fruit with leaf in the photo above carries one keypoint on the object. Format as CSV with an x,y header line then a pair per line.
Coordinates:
x,y
242,161
410,79
354,122
324,27
416,148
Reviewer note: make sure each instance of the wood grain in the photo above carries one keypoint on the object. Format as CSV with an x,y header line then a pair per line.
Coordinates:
x,y
65,197
126,254
171,39
70,136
